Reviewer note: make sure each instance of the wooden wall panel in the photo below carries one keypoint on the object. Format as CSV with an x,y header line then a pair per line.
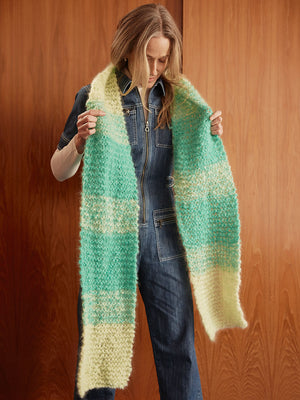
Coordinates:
x,y
48,50
244,58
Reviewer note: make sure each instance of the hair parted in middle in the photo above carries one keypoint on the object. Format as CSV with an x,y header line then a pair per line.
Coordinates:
x,y
133,34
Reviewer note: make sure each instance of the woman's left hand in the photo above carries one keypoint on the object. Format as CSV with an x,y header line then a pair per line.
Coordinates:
x,y
216,124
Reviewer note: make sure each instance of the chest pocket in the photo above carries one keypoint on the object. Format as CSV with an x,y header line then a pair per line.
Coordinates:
x,y
163,136
130,119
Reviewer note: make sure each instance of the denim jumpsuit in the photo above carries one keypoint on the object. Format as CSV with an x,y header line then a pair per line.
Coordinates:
x,y
162,272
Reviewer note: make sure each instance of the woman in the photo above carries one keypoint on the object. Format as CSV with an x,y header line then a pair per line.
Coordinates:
x,y
143,130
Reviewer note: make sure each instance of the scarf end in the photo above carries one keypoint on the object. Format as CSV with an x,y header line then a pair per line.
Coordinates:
x,y
106,357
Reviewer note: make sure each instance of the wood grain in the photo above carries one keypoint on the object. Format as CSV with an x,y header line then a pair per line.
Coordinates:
x,y
49,49
244,58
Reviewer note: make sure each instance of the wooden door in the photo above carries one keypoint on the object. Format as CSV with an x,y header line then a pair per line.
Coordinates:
x,y
49,50
244,58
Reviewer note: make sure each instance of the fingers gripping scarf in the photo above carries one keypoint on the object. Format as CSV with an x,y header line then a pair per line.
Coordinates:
x,y
208,221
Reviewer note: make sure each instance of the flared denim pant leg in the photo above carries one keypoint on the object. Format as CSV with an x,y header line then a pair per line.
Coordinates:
x,y
166,292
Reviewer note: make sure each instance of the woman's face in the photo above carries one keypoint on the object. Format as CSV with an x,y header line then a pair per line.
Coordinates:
x,y
157,53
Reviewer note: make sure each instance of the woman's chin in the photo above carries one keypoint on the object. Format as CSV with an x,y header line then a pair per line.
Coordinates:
x,y
151,83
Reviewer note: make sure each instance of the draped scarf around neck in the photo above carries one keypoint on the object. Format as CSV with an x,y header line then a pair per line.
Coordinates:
x,y
207,216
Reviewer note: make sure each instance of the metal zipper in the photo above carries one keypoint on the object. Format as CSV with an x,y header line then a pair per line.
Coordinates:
x,y
143,173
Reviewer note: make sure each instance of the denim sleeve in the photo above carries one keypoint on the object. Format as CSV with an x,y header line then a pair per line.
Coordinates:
x,y
70,129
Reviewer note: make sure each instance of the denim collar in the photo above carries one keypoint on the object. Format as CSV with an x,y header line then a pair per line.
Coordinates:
x,y
124,82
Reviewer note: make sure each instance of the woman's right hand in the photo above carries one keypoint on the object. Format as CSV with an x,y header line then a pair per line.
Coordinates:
x,y
86,123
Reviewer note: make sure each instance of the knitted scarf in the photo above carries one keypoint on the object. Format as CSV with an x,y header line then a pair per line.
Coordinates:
x,y
207,216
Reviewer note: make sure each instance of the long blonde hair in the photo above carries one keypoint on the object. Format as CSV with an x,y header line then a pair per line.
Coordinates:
x,y
133,33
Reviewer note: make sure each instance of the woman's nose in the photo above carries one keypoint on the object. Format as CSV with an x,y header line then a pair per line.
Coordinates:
x,y
153,68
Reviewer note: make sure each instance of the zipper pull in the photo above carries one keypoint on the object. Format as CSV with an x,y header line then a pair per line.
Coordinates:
x,y
147,127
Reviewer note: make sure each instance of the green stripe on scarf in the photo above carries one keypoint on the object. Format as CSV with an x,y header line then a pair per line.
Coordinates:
x,y
207,215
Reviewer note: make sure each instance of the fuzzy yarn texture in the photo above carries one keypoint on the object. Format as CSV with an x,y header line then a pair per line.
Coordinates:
x,y
208,221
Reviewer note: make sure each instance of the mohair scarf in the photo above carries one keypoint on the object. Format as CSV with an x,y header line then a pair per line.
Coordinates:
x,y
207,216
